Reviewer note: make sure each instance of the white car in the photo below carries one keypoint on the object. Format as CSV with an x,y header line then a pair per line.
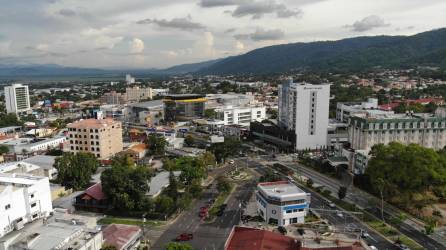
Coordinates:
x,y
340,214
231,162
332,205
373,247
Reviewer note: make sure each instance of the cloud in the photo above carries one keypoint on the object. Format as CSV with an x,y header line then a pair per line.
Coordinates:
x,y
262,35
368,23
66,12
184,23
136,46
257,9
219,3
239,46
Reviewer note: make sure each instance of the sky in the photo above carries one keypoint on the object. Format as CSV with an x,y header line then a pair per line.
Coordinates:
x,y
122,34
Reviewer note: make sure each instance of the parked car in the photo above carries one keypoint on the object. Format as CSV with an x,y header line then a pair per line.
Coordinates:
x,y
231,162
184,237
203,214
331,205
282,230
204,209
401,246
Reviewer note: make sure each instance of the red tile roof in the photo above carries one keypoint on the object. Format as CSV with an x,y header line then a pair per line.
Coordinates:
x,y
119,236
255,239
95,192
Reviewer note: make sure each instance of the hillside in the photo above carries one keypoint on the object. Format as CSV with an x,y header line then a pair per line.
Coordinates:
x,y
351,54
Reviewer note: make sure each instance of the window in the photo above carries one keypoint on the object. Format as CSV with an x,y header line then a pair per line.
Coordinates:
x,y
32,196
7,206
35,216
289,211
34,204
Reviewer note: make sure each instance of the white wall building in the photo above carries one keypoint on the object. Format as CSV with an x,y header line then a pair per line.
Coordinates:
x,y
23,198
304,108
344,110
282,203
30,145
241,115
17,99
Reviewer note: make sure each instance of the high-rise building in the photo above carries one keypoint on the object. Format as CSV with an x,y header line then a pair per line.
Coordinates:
x,y
129,79
17,99
101,137
303,108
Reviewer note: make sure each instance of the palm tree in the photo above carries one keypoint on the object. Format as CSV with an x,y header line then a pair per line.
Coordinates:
x,y
380,184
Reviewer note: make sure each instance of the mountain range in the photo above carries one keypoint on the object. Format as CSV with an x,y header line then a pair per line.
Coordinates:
x,y
346,55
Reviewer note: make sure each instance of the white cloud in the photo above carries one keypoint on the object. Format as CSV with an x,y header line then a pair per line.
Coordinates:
x,y
137,46
368,23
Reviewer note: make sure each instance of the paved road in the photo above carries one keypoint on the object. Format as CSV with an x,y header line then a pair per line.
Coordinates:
x,y
346,224
362,199
208,235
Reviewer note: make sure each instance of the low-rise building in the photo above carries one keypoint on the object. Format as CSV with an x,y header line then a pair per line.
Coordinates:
x,y
344,110
241,115
101,137
61,231
184,107
23,199
39,165
26,146
122,237
282,203
426,130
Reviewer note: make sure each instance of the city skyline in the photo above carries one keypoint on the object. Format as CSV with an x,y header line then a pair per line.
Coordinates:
x,y
146,34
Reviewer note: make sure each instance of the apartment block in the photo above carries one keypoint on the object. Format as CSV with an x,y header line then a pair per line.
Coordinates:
x,y
101,137
23,199
137,94
17,99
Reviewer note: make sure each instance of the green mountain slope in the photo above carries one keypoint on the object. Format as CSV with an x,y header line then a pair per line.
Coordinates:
x,y
351,54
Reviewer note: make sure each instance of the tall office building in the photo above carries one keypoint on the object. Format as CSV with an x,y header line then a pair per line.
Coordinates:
x,y
137,94
17,99
184,107
304,108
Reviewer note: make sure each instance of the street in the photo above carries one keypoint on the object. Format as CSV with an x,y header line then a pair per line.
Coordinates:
x,y
208,235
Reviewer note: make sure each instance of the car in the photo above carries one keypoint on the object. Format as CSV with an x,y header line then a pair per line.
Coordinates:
x,y
204,209
365,235
340,214
203,214
231,162
373,247
401,246
282,230
184,237
331,205
301,231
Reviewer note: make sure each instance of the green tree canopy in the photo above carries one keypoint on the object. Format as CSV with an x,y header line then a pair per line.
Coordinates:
x,y
189,140
75,170
126,185
230,147
178,246
3,149
157,144
405,170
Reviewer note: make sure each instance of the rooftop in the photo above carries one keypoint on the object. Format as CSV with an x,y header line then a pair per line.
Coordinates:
x,y
160,181
184,96
43,161
243,238
148,104
93,123
120,236
280,188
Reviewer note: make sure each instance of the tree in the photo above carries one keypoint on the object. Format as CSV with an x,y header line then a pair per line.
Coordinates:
x,y
3,149
10,119
164,204
75,170
223,184
403,172
157,144
230,147
172,189
189,140
310,182
210,113
178,246
342,192
108,247
380,185
208,159
195,188
191,169
126,186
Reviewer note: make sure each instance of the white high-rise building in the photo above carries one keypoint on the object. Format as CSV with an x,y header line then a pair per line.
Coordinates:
x,y
129,79
23,199
17,99
304,108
